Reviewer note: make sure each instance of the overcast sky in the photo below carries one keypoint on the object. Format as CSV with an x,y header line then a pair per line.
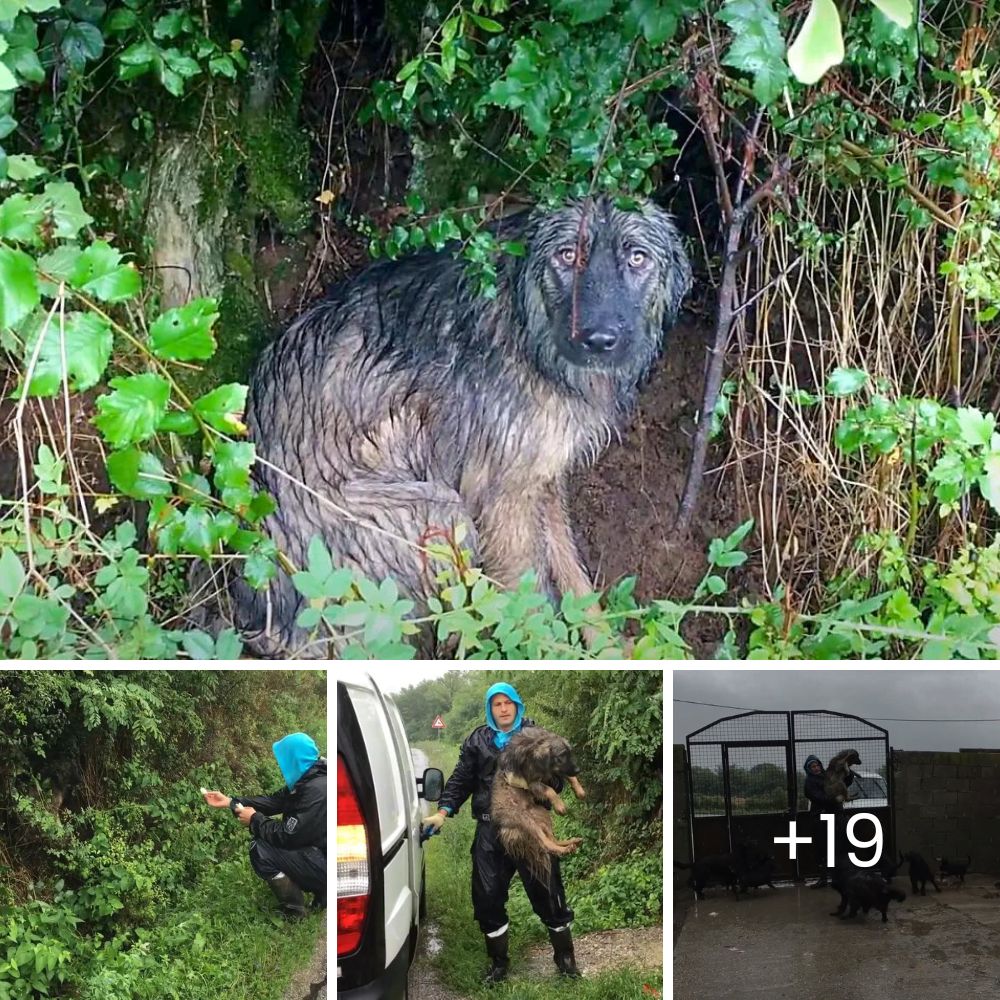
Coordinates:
x,y
880,696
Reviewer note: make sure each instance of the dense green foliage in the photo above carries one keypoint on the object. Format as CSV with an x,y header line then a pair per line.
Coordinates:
x,y
546,100
117,882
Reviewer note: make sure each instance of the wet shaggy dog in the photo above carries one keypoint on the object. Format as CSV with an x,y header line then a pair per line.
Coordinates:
x,y
413,410
920,872
837,773
861,891
528,767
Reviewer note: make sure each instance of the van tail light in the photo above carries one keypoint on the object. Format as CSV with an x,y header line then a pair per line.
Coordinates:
x,y
353,877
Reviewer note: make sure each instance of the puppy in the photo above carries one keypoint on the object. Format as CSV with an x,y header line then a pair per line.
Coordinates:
x,y
958,868
865,891
920,872
837,773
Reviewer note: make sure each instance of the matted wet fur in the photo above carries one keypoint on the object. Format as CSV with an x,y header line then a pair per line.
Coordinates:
x,y
837,773
412,406
537,759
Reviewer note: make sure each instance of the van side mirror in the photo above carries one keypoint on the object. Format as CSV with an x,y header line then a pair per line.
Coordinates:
x,y
431,784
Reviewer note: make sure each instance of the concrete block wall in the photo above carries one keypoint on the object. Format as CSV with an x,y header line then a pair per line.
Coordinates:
x,y
949,804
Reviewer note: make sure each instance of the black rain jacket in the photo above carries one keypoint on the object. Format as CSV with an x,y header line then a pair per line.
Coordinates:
x,y
816,794
302,808
473,774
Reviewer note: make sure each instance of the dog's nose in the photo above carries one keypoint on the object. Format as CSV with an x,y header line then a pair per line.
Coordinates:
x,y
600,341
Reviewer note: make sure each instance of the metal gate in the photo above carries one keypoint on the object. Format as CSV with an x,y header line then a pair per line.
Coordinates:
x,y
745,781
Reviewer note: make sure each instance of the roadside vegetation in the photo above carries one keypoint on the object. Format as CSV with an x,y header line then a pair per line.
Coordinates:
x,y
614,722
117,882
837,179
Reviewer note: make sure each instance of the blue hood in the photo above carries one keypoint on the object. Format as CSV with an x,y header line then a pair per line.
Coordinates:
x,y
295,754
501,738
809,760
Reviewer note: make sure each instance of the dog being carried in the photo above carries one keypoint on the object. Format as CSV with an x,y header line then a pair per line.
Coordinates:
x,y
532,763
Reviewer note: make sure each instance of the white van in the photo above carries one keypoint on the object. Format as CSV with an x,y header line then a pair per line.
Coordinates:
x,y
380,863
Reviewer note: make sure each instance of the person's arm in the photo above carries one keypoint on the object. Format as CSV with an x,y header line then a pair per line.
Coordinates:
x,y
269,805
305,829
462,782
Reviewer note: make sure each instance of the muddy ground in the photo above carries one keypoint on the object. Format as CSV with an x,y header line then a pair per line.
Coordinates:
x,y
783,944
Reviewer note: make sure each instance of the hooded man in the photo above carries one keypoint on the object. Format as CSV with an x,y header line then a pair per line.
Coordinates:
x,y
492,867
819,804
290,854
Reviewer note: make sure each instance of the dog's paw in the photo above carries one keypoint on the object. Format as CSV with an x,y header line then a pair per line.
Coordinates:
x,y
559,806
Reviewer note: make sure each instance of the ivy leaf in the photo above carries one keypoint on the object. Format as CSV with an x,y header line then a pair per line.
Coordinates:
x,y
819,45
845,381
98,273
132,411
900,11
88,343
758,47
19,292
222,408
185,333
63,200
20,217
138,474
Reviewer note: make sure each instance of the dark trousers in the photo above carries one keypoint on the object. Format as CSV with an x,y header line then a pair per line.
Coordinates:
x,y
306,868
492,871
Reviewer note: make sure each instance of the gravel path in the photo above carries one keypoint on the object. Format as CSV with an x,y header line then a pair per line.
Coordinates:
x,y
595,953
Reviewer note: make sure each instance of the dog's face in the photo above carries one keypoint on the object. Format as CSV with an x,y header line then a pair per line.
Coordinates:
x,y
562,763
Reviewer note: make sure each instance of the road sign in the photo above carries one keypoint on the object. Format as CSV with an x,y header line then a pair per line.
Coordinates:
x,y
438,722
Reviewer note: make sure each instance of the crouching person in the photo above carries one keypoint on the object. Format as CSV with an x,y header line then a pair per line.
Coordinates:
x,y
290,853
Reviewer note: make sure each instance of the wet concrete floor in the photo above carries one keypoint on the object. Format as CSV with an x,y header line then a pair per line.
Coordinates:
x,y
782,943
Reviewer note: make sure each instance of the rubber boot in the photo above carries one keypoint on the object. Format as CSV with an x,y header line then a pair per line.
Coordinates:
x,y
289,895
562,952
496,949
318,901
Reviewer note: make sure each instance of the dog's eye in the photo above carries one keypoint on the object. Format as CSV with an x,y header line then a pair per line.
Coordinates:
x,y
567,256
637,257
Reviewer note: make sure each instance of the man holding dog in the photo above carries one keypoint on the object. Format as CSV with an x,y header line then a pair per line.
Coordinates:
x,y
821,804
492,868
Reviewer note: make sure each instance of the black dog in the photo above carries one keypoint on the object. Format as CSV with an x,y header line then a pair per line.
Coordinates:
x,y
759,873
958,868
859,890
717,869
920,872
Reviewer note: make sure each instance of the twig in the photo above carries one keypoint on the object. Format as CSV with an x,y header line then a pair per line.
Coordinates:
x,y
735,218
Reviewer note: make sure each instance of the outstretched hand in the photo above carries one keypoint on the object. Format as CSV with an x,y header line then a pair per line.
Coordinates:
x,y
215,799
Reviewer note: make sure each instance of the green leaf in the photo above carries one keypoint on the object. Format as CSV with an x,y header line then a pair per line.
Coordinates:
x,y
25,63
20,217
82,43
178,422
23,168
138,59
7,79
138,474
975,428
63,200
819,45
222,408
758,46
582,11
132,411
87,350
19,292
185,333
233,460
170,25
12,574
900,11
222,65
197,535
845,381
98,273
989,481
